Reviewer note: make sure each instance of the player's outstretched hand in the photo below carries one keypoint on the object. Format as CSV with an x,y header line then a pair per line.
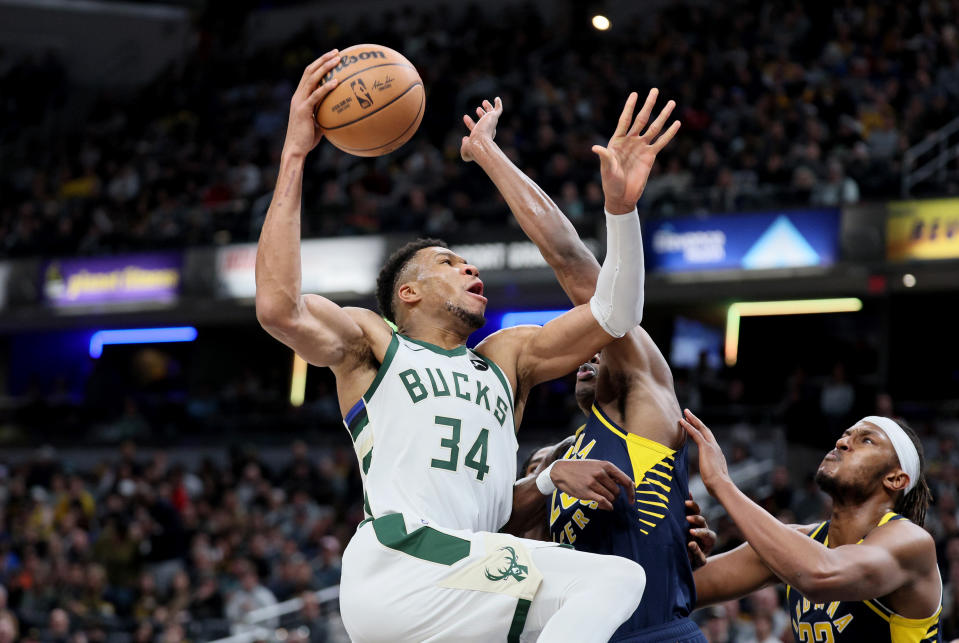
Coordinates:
x,y
712,462
302,132
626,161
702,539
482,130
592,480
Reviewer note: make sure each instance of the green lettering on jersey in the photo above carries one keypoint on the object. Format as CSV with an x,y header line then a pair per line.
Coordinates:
x,y
456,385
411,380
501,410
446,387
481,392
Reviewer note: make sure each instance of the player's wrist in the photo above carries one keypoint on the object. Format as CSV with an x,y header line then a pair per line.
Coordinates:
x,y
618,208
544,481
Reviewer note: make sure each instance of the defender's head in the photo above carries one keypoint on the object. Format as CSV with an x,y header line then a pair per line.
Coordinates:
x,y
586,384
878,456
426,280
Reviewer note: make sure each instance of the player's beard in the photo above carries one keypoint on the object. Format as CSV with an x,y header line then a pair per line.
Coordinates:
x,y
840,491
473,320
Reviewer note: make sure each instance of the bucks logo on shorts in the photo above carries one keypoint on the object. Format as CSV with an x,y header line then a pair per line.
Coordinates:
x,y
509,568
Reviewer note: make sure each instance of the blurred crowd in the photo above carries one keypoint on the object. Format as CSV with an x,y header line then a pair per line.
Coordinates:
x,y
145,549
782,103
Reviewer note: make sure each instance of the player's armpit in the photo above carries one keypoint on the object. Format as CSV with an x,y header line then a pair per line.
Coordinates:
x,y
731,575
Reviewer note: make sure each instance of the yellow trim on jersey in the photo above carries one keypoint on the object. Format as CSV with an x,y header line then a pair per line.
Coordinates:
x,y
644,453
901,629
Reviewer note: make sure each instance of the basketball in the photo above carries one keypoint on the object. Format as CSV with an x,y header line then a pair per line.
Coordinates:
x,y
378,104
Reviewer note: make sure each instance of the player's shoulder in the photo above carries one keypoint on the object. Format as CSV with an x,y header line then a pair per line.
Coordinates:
x,y
909,542
505,344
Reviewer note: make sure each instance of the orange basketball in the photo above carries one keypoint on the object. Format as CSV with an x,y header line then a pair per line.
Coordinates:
x,y
377,105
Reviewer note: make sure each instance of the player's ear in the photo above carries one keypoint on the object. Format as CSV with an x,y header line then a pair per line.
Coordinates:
x,y
896,480
409,292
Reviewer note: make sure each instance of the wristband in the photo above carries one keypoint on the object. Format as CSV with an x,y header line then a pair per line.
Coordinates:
x,y
544,483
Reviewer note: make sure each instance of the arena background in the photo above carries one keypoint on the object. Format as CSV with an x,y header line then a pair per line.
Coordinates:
x,y
204,487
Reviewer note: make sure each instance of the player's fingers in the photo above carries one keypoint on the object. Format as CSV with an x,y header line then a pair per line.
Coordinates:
x,y
643,117
657,124
322,59
469,122
693,433
699,424
488,106
622,480
480,112
692,507
697,555
624,119
601,152
667,136
604,489
498,104
320,93
696,522
609,485
603,503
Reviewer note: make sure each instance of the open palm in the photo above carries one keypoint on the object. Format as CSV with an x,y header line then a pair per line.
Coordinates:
x,y
626,161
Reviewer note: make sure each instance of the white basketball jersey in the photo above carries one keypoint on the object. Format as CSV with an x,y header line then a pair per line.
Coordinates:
x,y
435,439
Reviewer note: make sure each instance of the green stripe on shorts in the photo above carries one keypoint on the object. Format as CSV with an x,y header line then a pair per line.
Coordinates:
x,y
424,543
519,621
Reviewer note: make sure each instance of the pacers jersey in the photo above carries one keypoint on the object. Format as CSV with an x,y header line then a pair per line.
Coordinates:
x,y
867,620
653,531
435,439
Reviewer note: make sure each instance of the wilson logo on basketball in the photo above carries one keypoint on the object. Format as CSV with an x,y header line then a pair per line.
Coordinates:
x,y
347,60
361,93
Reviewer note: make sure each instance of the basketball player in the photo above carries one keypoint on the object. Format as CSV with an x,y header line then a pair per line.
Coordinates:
x,y
433,427
868,573
626,391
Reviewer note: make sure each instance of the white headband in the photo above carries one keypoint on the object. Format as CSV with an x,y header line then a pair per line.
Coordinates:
x,y
905,449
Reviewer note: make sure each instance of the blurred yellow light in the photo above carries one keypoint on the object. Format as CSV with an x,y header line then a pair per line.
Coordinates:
x,y
793,307
298,381
601,22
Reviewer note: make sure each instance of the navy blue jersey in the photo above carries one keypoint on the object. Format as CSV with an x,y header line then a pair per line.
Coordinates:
x,y
653,531
867,620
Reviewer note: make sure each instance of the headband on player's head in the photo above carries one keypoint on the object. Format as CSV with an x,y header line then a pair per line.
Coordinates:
x,y
905,449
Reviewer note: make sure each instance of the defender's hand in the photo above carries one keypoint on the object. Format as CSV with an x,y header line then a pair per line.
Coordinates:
x,y
712,462
625,163
702,539
483,130
592,480
302,132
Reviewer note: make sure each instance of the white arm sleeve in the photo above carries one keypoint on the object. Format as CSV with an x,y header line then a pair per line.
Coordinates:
x,y
617,303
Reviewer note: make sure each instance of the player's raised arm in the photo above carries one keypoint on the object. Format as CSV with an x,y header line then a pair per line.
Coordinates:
x,y
626,162
888,558
316,328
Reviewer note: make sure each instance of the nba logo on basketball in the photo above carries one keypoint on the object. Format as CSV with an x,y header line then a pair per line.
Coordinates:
x,y
361,93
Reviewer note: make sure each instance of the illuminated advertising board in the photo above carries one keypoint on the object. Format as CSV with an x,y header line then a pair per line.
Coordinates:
x,y
94,281
923,230
761,241
342,265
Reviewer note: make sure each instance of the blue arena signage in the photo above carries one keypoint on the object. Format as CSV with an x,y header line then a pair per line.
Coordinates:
x,y
761,241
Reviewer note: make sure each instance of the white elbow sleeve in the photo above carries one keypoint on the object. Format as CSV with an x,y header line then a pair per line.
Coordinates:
x,y
617,303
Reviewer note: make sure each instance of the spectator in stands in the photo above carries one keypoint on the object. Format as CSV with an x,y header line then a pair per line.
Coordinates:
x,y
249,596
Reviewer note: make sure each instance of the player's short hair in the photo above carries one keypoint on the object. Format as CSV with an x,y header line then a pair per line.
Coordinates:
x,y
913,505
386,280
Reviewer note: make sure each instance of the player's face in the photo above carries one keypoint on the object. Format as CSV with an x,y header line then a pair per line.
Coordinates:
x,y
586,384
538,457
452,284
862,456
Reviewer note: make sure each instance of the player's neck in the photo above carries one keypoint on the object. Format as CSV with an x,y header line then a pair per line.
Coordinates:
x,y
849,523
445,338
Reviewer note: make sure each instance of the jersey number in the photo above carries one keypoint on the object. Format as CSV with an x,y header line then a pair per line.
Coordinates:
x,y
821,632
475,457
